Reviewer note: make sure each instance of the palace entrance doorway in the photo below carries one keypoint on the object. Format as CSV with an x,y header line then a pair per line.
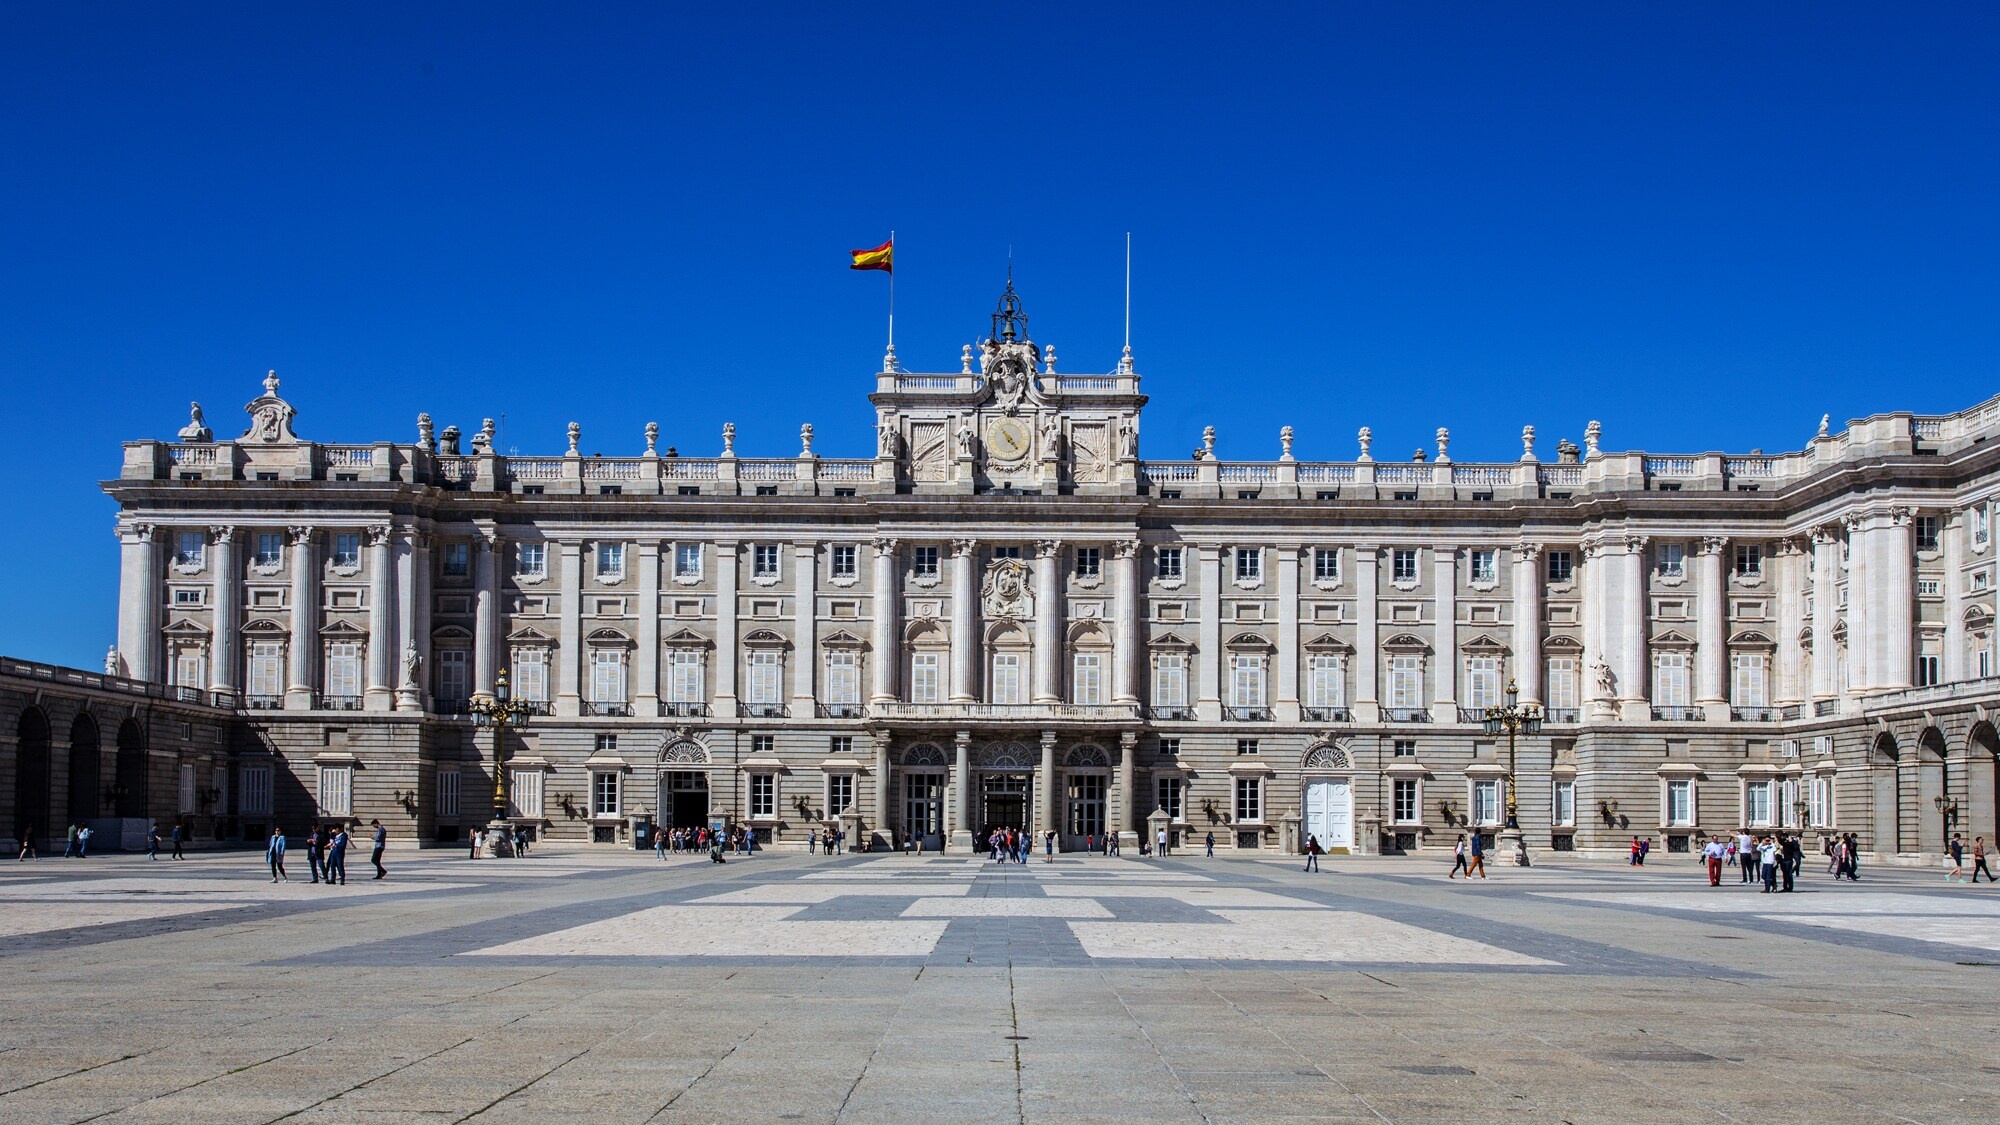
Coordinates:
x,y
1006,800
1329,813
684,799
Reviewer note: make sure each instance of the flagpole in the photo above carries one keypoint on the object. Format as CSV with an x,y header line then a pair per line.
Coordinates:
x,y
892,291
1128,290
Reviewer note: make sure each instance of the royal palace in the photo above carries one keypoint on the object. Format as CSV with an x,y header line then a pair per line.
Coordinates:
x,y
1011,617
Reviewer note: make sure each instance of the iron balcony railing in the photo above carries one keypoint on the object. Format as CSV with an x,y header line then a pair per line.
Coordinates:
x,y
1679,714
682,710
1407,714
1327,715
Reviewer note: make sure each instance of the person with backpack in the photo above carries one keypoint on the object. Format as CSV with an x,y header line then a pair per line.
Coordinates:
x,y
1478,857
1312,853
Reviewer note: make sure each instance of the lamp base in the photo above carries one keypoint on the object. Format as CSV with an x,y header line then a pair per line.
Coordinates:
x,y
1513,846
499,840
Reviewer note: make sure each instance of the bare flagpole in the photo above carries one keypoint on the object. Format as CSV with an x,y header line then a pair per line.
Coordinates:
x,y
1128,291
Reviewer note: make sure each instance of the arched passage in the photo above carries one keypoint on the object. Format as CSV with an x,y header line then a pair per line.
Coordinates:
x,y
86,766
1886,823
31,776
130,776
1982,783
1925,792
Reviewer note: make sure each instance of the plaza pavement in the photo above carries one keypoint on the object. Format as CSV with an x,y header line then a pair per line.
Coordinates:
x,y
588,986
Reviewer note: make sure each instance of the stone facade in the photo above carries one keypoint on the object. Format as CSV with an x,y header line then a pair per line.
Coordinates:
x,y
1008,616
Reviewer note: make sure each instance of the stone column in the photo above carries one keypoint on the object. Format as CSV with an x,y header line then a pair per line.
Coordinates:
x,y
1826,606
1367,632
305,621
1444,692
727,658
486,612
1952,536
1897,581
1125,616
1048,621
569,634
1791,604
1287,701
646,666
885,825
886,656
420,621
1528,667
961,802
405,547
1126,820
965,644
226,669
1858,545
1632,628
1045,782
1590,568
1208,689
379,695
805,627
139,601
1711,637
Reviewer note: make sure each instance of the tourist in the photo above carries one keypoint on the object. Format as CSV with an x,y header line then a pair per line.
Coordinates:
x,y
715,849
1790,855
1831,846
1162,844
179,831
83,840
812,842
1458,859
153,841
1645,849
378,841
1049,846
659,844
336,856
478,838
274,854
1853,858
521,841
27,843
1478,849
69,848
1632,855
1746,855
1312,853
1211,846
1767,861
1979,860
1955,859
315,858
1712,855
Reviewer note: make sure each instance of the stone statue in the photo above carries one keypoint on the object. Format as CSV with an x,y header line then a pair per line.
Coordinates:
x,y
1527,443
1051,436
729,439
891,441
1128,438
413,665
1607,680
270,416
1208,443
196,429
448,441
1285,443
1567,452
426,437
486,431
1444,446
1367,437
965,360
652,439
1591,434
1825,422
964,440
575,435
113,663
806,439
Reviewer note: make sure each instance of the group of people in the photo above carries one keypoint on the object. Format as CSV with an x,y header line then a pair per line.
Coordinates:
x,y
1469,856
694,841
1769,859
1955,860
1013,845
80,833
518,838
833,841
326,852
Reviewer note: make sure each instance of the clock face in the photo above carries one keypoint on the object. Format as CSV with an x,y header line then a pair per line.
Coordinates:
x,y
1007,439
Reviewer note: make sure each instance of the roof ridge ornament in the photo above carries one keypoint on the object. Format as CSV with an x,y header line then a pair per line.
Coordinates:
x,y
270,416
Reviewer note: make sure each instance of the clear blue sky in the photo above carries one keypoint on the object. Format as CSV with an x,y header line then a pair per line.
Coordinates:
x,y
1705,224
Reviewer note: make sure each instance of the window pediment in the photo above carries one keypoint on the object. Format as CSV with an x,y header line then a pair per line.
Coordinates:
x,y
264,625
608,637
1170,641
1753,640
1484,644
186,629
1562,645
1673,638
528,634
451,633
1249,640
343,630
1406,642
843,639
1327,642
687,638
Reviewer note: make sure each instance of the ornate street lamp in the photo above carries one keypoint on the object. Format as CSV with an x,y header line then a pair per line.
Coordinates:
x,y
497,714
1515,719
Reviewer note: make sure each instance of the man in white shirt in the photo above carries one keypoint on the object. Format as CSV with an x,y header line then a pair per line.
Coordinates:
x,y
1712,854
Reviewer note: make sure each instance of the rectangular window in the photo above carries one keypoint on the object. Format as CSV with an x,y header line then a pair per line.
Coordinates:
x,y
270,549
1819,801
764,677
1246,747
1006,552
1249,564
1482,681
607,675
1089,562
1169,563
1326,564
191,668
1403,748
267,668
924,677
1247,680
687,560
1670,680
1982,525
1927,670
453,675
1749,679
527,791
1927,533
1673,560
1168,792
1404,808
347,549
1403,565
1406,681
1170,680
1565,804
447,791
531,560
840,744
1087,683
843,676
684,676
1562,683
343,669
1486,802
763,796
1757,804
253,786
1485,567
1007,686
604,794
189,547
457,561
924,562
1562,566
1249,800
1170,748
839,793
764,560
1326,680
336,789
843,564
1749,560
610,561
531,675
1680,804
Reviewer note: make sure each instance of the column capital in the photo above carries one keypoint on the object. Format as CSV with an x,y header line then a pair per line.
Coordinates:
x,y
886,545
1048,548
135,533
1048,740
961,548
222,534
485,540
1526,552
961,739
1823,534
378,534
1713,545
301,536
1125,548
1635,543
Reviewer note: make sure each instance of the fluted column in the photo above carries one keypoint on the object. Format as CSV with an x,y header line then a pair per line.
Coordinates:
x,y
1590,573
1825,611
805,627
1952,534
139,601
1048,621
1045,786
1367,632
727,658
226,670
1286,703
1859,545
569,633
1127,820
485,612
1897,582
381,619
1632,673
960,829
1528,667
1711,636
885,824
1208,689
305,621
646,668
1444,692
1791,621
886,656
405,548
420,620
1125,616
964,621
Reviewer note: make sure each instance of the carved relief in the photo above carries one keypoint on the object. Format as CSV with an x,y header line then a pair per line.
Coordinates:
x,y
270,416
1004,593
1090,452
929,459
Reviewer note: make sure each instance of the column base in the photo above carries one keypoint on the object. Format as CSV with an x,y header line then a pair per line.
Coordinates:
x,y
298,699
959,841
378,699
408,698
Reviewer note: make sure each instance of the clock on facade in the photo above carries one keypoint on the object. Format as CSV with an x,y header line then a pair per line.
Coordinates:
x,y
1007,439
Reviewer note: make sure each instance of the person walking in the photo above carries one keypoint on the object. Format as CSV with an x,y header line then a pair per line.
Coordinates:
x,y
379,841
153,841
27,844
315,854
274,854
1853,858
1478,849
1711,856
336,857
179,831
69,847
1459,860
1956,861
1211,846
83,840
1746,854
1312,853
1632,854
1790,855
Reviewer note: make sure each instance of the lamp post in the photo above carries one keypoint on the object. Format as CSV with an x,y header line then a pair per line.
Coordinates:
x,y
1515,719
498,713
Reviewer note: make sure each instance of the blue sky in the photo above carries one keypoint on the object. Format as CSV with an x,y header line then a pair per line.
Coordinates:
x,y
1704,224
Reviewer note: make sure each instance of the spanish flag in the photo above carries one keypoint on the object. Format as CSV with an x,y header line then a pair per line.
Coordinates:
x,y
880,258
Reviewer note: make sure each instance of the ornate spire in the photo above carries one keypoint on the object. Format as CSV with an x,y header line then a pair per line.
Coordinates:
x,y
1010,324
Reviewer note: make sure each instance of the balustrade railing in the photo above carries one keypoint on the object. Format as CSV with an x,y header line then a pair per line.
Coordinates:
x,y
1753,714
686,468
534,468
349,456
340,703
1670,466
1326,474
1249,474
767,470
1167,472
761,710
611,468
846,470
1560,476
1561,716
1679,714
1750,468
192,454
1481,476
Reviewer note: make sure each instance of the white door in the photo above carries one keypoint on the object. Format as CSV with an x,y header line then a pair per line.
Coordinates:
x,y
1329,812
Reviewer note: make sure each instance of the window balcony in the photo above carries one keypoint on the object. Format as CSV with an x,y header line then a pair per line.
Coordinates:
x,y
264,702
1171,714
1753,714
676,710
607,708
536,706
186,695
1472,714
841,711
1328,715
340,703
1791,711
1004,712
1824,707
1246,714
1406,714
761,710
1679,714
452,706
1562,715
